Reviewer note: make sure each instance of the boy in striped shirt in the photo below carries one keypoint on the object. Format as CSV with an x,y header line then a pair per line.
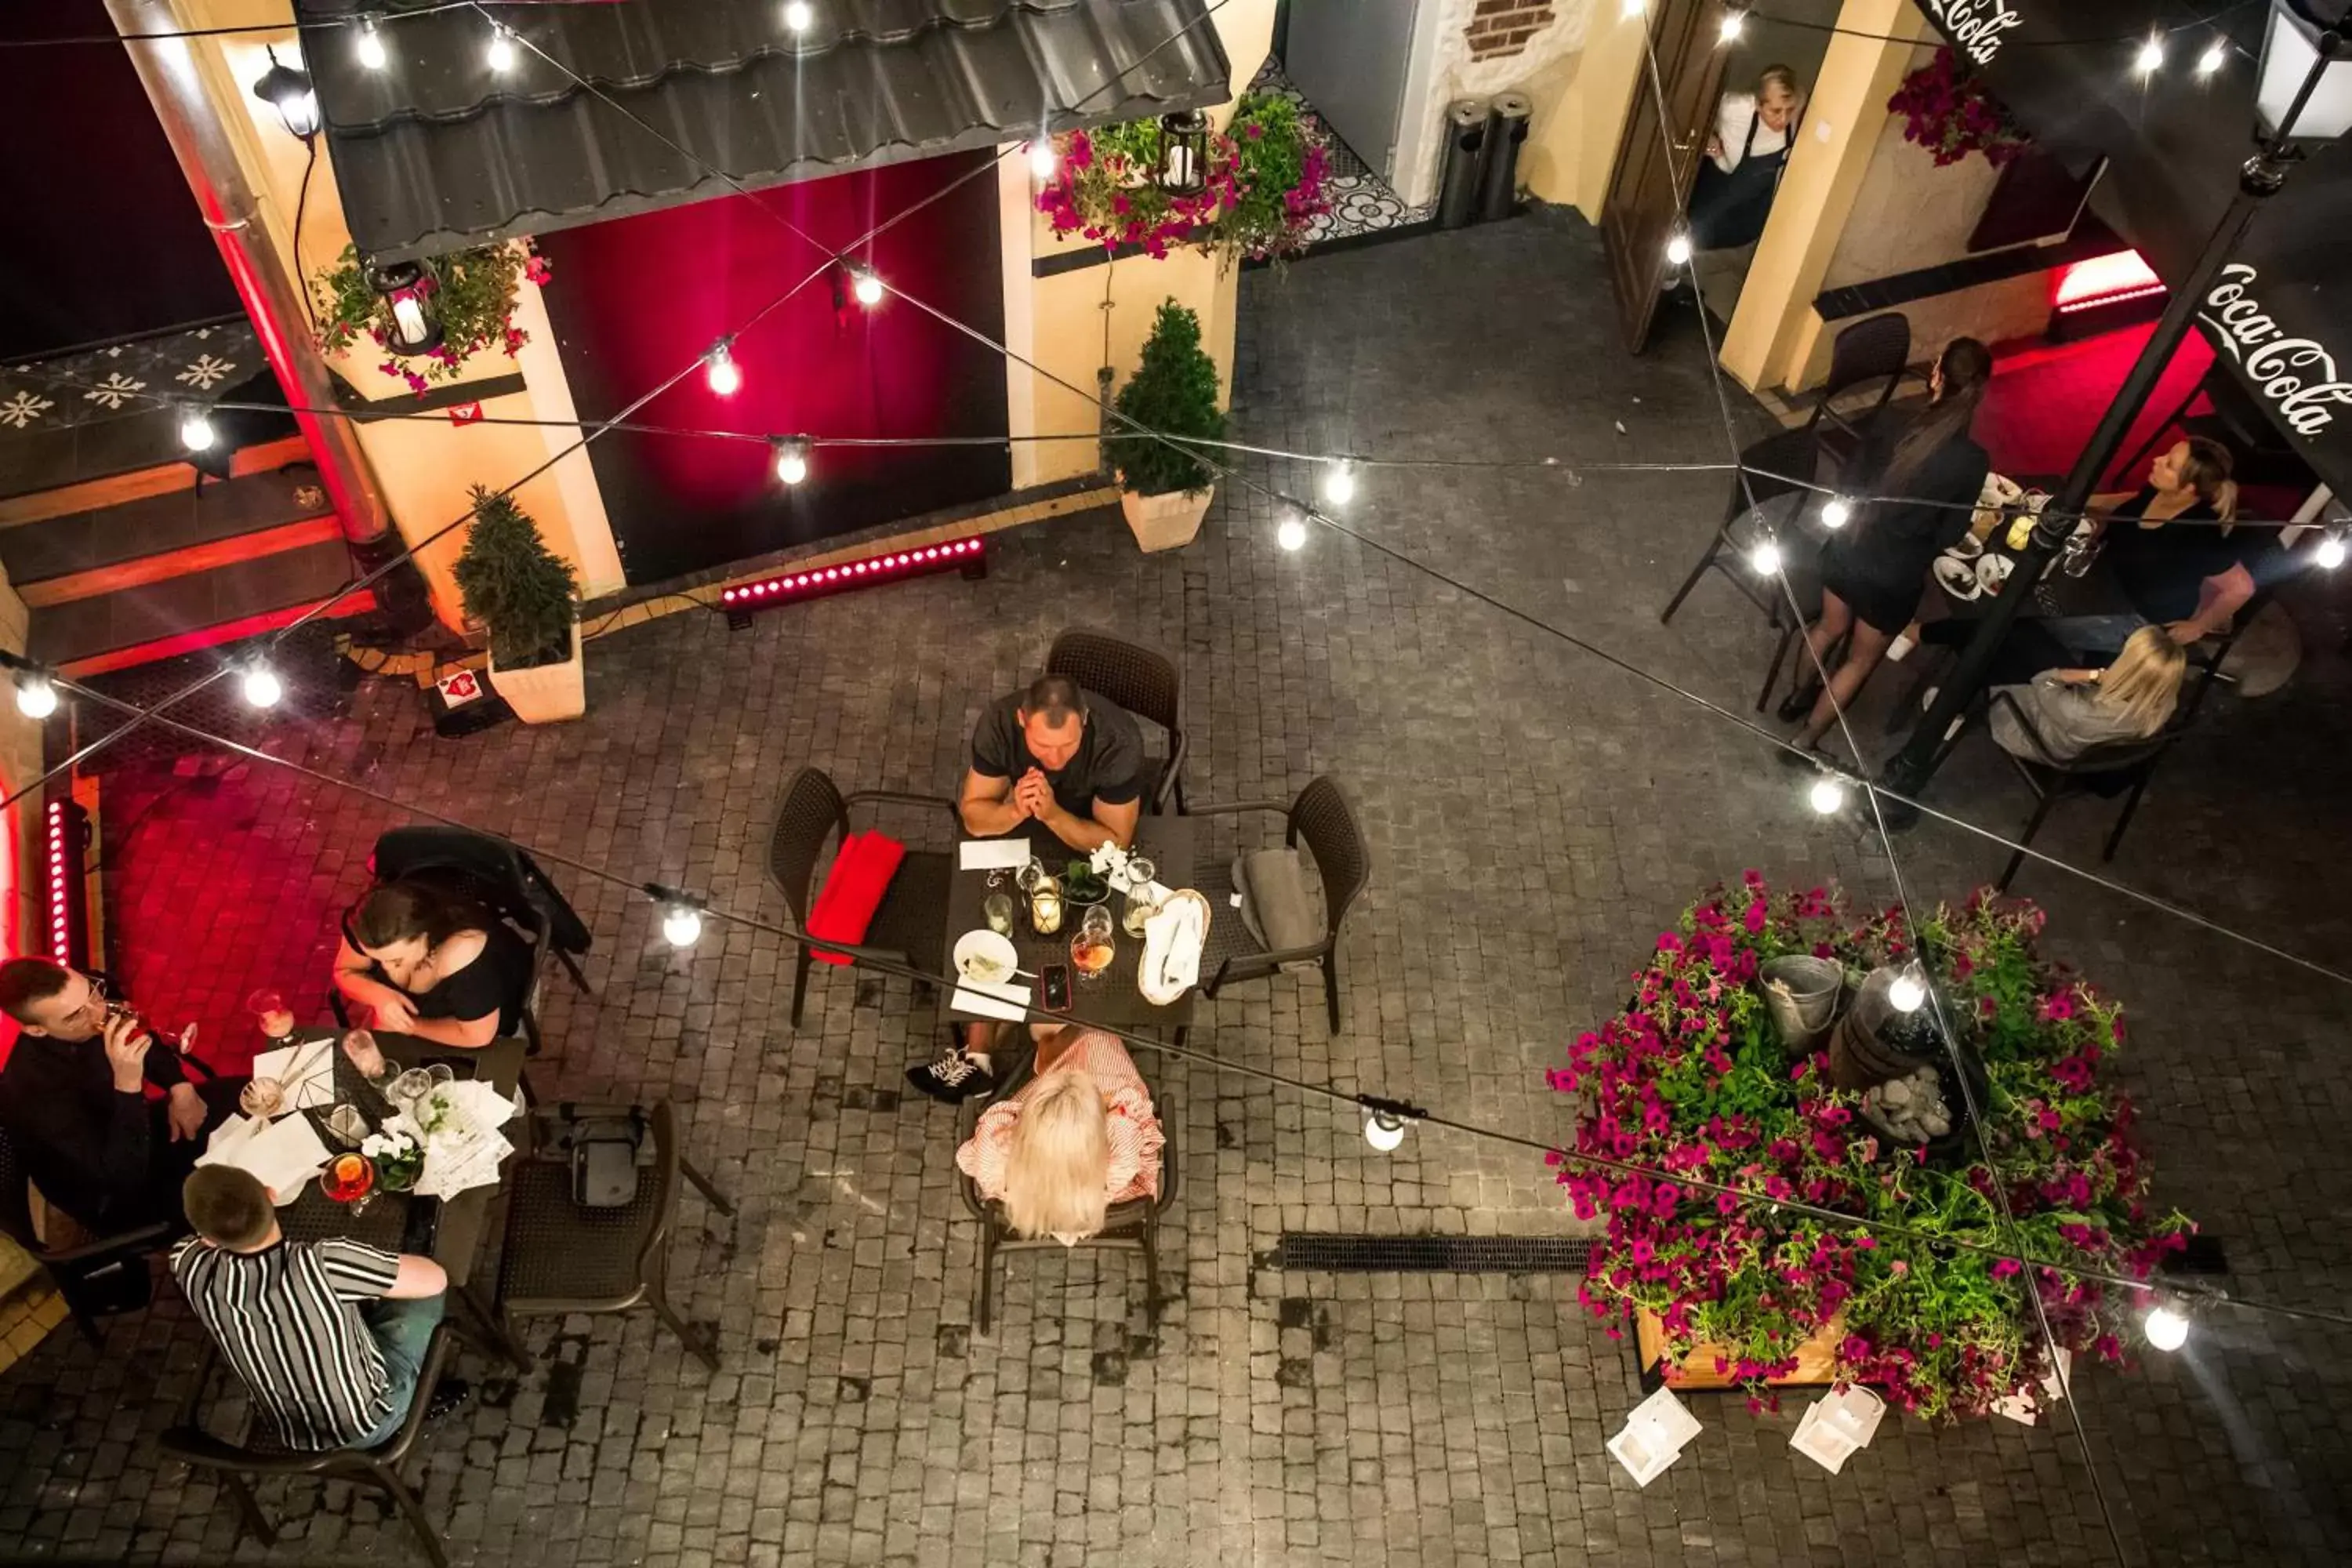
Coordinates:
x,y
330,1336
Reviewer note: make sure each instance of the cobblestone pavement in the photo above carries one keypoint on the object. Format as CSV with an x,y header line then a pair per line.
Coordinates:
x,y
1535,816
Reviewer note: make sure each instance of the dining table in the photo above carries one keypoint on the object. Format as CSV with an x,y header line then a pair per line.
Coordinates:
x,y
1110,999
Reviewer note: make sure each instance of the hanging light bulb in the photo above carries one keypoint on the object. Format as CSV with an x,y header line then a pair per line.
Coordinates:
x,y
1836,512
1633,8
1678,249
1384,1131
2216,56
501,52
2329,551
1734,23
798,16
724,376
791,454
1290,527
2166,1326
865,286
196,430
1827,795
682,924
36,698
1907,993
369,48
1764,556
289,92
1340,483
262,687
2150,59
1045,159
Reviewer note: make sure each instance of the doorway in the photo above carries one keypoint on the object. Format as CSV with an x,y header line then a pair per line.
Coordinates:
x,y
1349,58
1648,190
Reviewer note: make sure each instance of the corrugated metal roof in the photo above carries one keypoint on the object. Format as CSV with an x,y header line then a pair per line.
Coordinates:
x,y
437,150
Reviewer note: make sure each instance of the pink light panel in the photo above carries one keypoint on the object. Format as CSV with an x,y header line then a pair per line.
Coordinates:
x,y
2104,279
60,865
890,566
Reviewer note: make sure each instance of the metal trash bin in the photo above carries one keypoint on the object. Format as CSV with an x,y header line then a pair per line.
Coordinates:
x,y
1506,126
1465,159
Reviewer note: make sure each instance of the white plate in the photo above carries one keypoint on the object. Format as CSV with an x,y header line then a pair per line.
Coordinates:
x,y
1992,571
1957,578
986,958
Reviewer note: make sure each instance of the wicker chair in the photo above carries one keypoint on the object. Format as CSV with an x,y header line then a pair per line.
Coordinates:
x,y
1133,1226
1874,347
911,922
1335,838
560,1257
263,1455
1143,682
101,1277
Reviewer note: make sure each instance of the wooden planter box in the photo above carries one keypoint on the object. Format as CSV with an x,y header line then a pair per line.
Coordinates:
x,y
1816,1360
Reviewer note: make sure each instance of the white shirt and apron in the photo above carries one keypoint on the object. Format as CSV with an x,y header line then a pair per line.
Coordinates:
x,y
1734,193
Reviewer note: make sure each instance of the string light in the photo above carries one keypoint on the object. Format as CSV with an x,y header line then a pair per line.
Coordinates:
x,y
1734,23
262,687
1764,556
289,92
682,924
1633,8
1045,159
369,48
864,285
1678,249
1907,991
501,52
1340,482
2215,56
196,432
798,16
2330,551
2150,59
1836,512
1384,1131
36,697
1290,529
724,376
1827,795
2166,1326
792,453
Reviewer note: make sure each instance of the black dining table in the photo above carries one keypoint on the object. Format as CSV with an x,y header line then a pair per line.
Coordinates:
x,y
1110,998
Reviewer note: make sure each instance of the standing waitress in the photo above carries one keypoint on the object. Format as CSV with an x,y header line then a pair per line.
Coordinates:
x,y
1744,161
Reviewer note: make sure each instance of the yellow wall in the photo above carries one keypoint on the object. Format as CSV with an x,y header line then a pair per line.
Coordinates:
x,y
20,764
1581,109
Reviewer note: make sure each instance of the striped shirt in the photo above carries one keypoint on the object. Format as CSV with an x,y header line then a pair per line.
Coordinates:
x,y
1132,1126
286,1320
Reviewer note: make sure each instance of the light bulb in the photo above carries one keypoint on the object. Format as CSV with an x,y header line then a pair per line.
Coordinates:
x,y
2167,1328
1340,483
2150,58
867,287
1678,250
2330,551
1633,8
1045,160
798,16
1383,1132
792,458
2215,56
1734,23
1290,530
408,319
724,376
36,698
369,48
501,53
1905,993
1827,795
682,924
262,687
196,430
1765,557
1835,512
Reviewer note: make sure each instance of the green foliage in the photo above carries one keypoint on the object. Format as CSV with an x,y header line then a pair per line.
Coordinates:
x,y
1173,392
470,292
515,585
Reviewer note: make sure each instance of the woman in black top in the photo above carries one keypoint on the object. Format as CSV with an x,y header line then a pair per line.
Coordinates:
x,y
424,962
2170,546
1873,572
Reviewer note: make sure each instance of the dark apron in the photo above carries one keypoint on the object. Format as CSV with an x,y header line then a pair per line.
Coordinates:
x,y
1729,210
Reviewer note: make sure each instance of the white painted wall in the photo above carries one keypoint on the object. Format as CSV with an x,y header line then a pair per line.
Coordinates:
x,y
1443,71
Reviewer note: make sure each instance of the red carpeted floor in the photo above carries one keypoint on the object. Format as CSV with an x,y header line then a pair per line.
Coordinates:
x,y
2043,404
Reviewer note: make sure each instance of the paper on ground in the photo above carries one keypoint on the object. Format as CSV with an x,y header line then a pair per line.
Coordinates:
x,y
2025,1408
313,1060
1666,1416
993,854
1820,1439
281,1155
1003,999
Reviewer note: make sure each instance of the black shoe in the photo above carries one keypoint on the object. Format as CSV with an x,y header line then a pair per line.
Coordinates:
x,y
1797,704
450,1395
952,1077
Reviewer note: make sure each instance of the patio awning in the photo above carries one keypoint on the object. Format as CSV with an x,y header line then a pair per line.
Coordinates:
x,y
435,149
2176,142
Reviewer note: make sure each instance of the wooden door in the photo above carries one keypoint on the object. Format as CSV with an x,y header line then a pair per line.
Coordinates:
x,y
1646,196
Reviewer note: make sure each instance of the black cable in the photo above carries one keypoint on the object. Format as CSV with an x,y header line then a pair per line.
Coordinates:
x,y
1759,13
302,205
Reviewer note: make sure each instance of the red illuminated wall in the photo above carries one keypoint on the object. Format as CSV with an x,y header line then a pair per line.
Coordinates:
x,y
634,299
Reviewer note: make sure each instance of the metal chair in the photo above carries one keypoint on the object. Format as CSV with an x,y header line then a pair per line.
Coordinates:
x,y
2114,767
910,923
1874,347
560,1257
1335,838
101,1277
1793,455
1133,1226
264,1454
1143,682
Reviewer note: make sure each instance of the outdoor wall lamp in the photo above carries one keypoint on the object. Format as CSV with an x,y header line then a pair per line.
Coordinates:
x,y
2298,47
1184,153
287,90
414,326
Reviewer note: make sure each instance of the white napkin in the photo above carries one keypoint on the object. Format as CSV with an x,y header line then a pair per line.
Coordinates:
x,y
1006,999
1172,940
992,854
313,1060
465,1150
281,1155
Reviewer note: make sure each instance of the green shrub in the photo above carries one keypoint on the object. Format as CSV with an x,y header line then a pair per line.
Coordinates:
x,y
1174,393
514,585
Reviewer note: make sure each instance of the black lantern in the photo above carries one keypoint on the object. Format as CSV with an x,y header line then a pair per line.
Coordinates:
x,y
287,90
415,325
2304,76
1184,154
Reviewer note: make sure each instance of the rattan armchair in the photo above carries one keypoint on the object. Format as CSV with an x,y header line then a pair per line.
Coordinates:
x,y
1322,817
910,923
1143,682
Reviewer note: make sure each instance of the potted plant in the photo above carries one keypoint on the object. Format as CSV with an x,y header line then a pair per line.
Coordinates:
x,y
525,594
1947,109
1266,182
1165,485
468,294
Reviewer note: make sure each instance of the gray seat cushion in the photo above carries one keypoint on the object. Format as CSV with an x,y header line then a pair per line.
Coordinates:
x,y
1276,906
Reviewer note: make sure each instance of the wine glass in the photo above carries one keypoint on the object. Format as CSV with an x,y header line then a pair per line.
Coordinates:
x,y
349,1178
269,1008
1141,904
261,1097
1091,949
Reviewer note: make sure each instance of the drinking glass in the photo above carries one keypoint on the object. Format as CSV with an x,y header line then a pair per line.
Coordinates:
x,y
998,909
1141,902
410,1089
262,1098
346,1126
1091,949
349,1178
269,1008
367,1057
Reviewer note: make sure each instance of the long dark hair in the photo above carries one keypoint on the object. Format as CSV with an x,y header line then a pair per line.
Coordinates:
x,y
1968,367
398,911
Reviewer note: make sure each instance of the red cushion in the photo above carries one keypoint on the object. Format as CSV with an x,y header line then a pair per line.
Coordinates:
x,y
853,890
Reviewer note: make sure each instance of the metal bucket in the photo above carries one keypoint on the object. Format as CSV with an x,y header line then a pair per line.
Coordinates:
x,y
1802,993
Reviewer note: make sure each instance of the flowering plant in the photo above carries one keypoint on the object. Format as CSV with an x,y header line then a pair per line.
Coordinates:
x,y
1951,112
1263,191
1692,1081
472,293
399,1159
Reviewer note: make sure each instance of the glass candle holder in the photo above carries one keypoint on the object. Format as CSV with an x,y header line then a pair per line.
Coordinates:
x,y
1046,907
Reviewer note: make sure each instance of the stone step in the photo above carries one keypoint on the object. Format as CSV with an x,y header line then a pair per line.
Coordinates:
x,y
225,603
138,483
157,538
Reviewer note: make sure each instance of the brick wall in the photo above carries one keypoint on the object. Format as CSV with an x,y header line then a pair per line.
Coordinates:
x,y
1500,27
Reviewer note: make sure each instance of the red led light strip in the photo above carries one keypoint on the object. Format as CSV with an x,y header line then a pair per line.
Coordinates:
x,y
892,564
63,858
2092,301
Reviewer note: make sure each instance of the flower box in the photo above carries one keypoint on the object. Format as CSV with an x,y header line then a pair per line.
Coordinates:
x,y
1816,1359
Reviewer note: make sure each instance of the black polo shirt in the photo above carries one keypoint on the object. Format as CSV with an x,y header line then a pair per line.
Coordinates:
x,y
1109,765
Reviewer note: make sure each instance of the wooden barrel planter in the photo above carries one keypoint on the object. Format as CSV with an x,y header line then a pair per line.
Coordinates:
x,y
1816,1359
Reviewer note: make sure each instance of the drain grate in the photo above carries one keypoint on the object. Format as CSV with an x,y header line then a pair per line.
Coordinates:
x,y
1312,1253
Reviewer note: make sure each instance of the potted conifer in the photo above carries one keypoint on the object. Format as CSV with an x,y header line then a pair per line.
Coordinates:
x,y
525,594
1165,486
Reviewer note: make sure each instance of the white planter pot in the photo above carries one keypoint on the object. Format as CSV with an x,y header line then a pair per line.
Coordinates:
x,y
1165,522
545,693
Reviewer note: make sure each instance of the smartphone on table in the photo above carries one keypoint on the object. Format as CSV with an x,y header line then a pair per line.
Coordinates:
x,y
1054,988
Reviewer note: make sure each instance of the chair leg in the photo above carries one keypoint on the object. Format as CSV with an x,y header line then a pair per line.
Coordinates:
x,y
248,1509
2131,805
2033,827
702,1185
497,1334
708,1354
800,982
1182,810
983,1297
1331,989
1705,560
1772,671
427,1536
1151,1270
578,977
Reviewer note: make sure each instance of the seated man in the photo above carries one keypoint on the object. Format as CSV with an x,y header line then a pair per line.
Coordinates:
x,y
330,1336
1055,760
73,1097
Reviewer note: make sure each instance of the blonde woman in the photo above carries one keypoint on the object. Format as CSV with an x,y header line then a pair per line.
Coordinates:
x,y
1078,1138
2070,711
1745,158
2170,546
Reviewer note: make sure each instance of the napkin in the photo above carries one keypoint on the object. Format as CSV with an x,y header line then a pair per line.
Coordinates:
x,y
993,854
1172,940
1006,999
464,1148
307,1070
281,1155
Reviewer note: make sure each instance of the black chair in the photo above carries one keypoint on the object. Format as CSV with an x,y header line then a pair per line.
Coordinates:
x,y
1335,839
1133,1226
2115,767
910,923
1143,682
1778,466
560,1257
1875,347
263,1455
103,1277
